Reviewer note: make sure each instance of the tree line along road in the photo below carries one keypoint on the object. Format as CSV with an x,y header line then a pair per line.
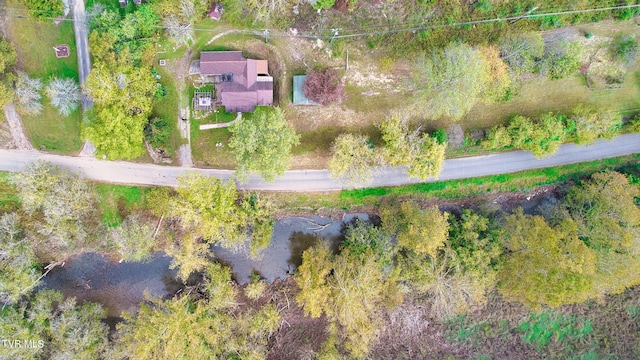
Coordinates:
x,y
319,180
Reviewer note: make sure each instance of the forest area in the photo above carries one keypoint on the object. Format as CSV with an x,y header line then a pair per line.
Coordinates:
x,y
542,278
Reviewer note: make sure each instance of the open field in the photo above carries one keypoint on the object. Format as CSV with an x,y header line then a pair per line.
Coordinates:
x,y
34,43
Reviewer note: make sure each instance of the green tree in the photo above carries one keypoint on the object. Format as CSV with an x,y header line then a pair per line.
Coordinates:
x,y
592,123
542,137
211,212
544,265
522,51
349,288
116,134
478,251
499,79
422,154
133,239
604,209
562,59
120,84
66,330
8,57
263,144
311,277
352,160
189,254
6,94
207,208
17,265
62,205
214,327
260,221
44,9
420,231
450,81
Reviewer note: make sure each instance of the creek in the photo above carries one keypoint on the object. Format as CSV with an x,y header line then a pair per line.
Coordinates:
x,y
120,287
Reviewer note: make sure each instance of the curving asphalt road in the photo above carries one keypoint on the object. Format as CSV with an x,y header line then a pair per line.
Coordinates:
x,y
319,180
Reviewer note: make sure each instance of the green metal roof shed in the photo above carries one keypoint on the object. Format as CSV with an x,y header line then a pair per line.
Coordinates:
x,y
298,95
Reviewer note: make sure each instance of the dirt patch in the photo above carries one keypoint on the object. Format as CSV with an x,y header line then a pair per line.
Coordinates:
x,y
299,336
19,139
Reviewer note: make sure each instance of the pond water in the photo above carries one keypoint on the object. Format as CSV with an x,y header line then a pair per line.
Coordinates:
x,y
291,237
118,286
121,286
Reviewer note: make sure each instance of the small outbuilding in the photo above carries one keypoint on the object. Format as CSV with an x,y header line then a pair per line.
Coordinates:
x,y
299,98
202,101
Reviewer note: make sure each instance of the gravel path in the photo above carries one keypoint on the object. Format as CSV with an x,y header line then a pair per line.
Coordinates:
x,y
19,139
319,180
80,30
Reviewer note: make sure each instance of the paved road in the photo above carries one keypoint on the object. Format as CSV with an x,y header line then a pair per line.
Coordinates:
x,y
318,180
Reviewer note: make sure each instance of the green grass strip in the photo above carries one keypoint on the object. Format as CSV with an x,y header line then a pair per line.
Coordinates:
x,y
518,181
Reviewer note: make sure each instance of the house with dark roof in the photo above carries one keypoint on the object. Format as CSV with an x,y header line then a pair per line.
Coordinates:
x,y
241,84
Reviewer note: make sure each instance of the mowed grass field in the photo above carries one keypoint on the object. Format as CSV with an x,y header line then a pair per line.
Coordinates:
x,y
34,42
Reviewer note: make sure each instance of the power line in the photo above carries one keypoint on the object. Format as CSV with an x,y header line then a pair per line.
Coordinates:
x,y
333,35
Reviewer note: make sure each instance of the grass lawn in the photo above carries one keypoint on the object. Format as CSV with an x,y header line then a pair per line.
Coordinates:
x,y
34,43
167,108
203,148
118,201
9,200
53,132
538,96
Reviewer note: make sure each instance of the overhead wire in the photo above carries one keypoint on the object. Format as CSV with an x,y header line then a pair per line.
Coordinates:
x,y
391,30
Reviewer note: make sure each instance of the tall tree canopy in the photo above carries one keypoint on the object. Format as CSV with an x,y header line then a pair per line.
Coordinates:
x,y
592,123
348,288
8,56
353,159
17,260
61,203
545,265
450,81
44,9
211,212
420,231
522,51
58,327
115,134
604,209
421,153
213,327
263,144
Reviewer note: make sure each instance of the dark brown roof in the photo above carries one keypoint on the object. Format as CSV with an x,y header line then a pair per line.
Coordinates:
x,y
247,89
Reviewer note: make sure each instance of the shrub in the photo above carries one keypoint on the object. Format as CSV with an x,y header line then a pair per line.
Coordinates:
x,y
623,47
324,86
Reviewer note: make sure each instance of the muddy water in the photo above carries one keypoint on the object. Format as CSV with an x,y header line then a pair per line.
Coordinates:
x,y
121,286
291,237
118,286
